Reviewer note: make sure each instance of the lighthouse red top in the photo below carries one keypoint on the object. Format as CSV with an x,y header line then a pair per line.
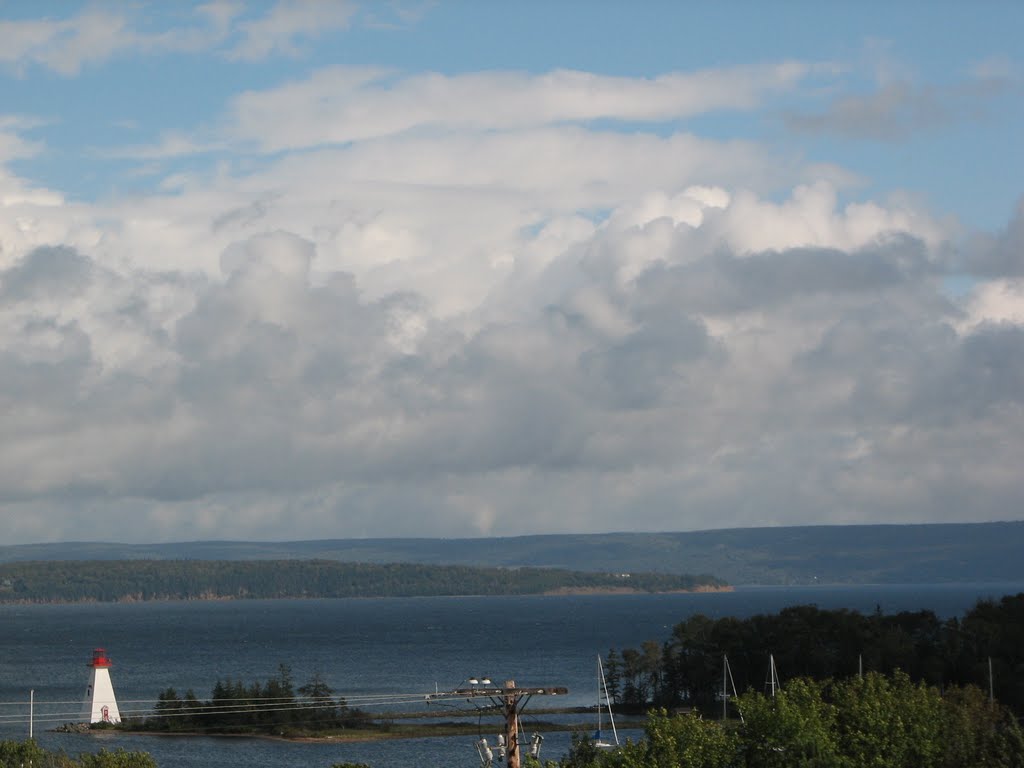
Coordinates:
x,y
99,659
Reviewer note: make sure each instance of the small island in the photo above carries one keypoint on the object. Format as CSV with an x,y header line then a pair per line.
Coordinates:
x,y
280,708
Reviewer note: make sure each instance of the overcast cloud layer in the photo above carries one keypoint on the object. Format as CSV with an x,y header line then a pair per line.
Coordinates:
x,y
364,301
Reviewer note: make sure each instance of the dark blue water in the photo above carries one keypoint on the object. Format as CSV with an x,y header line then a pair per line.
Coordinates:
x,y
362,647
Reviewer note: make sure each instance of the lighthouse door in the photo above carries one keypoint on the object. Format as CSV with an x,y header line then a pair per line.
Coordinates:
x,y
106,714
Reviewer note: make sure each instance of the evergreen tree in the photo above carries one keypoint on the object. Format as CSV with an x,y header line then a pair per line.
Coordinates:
x,y
612,675
318,705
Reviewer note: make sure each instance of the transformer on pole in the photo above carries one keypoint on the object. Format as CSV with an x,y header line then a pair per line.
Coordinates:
x,y
510,701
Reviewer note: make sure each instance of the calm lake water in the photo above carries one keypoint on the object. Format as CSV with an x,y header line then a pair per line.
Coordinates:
x,y
363,647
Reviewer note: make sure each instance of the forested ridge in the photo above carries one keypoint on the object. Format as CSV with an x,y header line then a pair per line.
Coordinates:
x,y
124,580
836,554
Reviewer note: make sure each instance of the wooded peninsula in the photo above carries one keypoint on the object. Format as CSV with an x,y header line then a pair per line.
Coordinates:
x,y
138,580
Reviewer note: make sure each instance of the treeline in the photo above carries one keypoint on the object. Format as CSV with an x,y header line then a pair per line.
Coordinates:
x,y
112,581
687,668
125,580
274,706
874,720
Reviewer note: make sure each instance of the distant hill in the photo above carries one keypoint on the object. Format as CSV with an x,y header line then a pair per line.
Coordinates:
x,y
967,552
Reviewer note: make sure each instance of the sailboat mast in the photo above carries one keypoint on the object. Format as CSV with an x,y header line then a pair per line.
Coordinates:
x,y
773,675
604,700
991,685
725,696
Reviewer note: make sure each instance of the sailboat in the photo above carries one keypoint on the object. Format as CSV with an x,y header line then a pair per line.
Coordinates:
x,y
603,702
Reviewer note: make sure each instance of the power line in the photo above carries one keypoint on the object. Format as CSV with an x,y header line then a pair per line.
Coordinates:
x,y
247,705
366,698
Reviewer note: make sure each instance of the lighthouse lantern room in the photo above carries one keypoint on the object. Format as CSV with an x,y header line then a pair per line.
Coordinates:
x,y
100,704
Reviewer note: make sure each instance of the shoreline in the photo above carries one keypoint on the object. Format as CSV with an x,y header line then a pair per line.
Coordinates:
x,y
359,737
701,589
557,592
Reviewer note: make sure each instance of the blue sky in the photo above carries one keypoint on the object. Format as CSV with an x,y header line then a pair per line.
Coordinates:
x,y
964,160
301,269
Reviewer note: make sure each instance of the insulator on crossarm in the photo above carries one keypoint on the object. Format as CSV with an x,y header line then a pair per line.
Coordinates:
x,y
486,755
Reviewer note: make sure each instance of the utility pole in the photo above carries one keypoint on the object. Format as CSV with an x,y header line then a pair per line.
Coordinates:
x,y
510,700
511,705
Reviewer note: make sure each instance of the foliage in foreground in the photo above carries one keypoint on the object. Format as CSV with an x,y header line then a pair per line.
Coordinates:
x,y
874,721
16,754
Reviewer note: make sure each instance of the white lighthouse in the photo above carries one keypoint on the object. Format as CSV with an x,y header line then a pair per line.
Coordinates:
x,y
100,705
